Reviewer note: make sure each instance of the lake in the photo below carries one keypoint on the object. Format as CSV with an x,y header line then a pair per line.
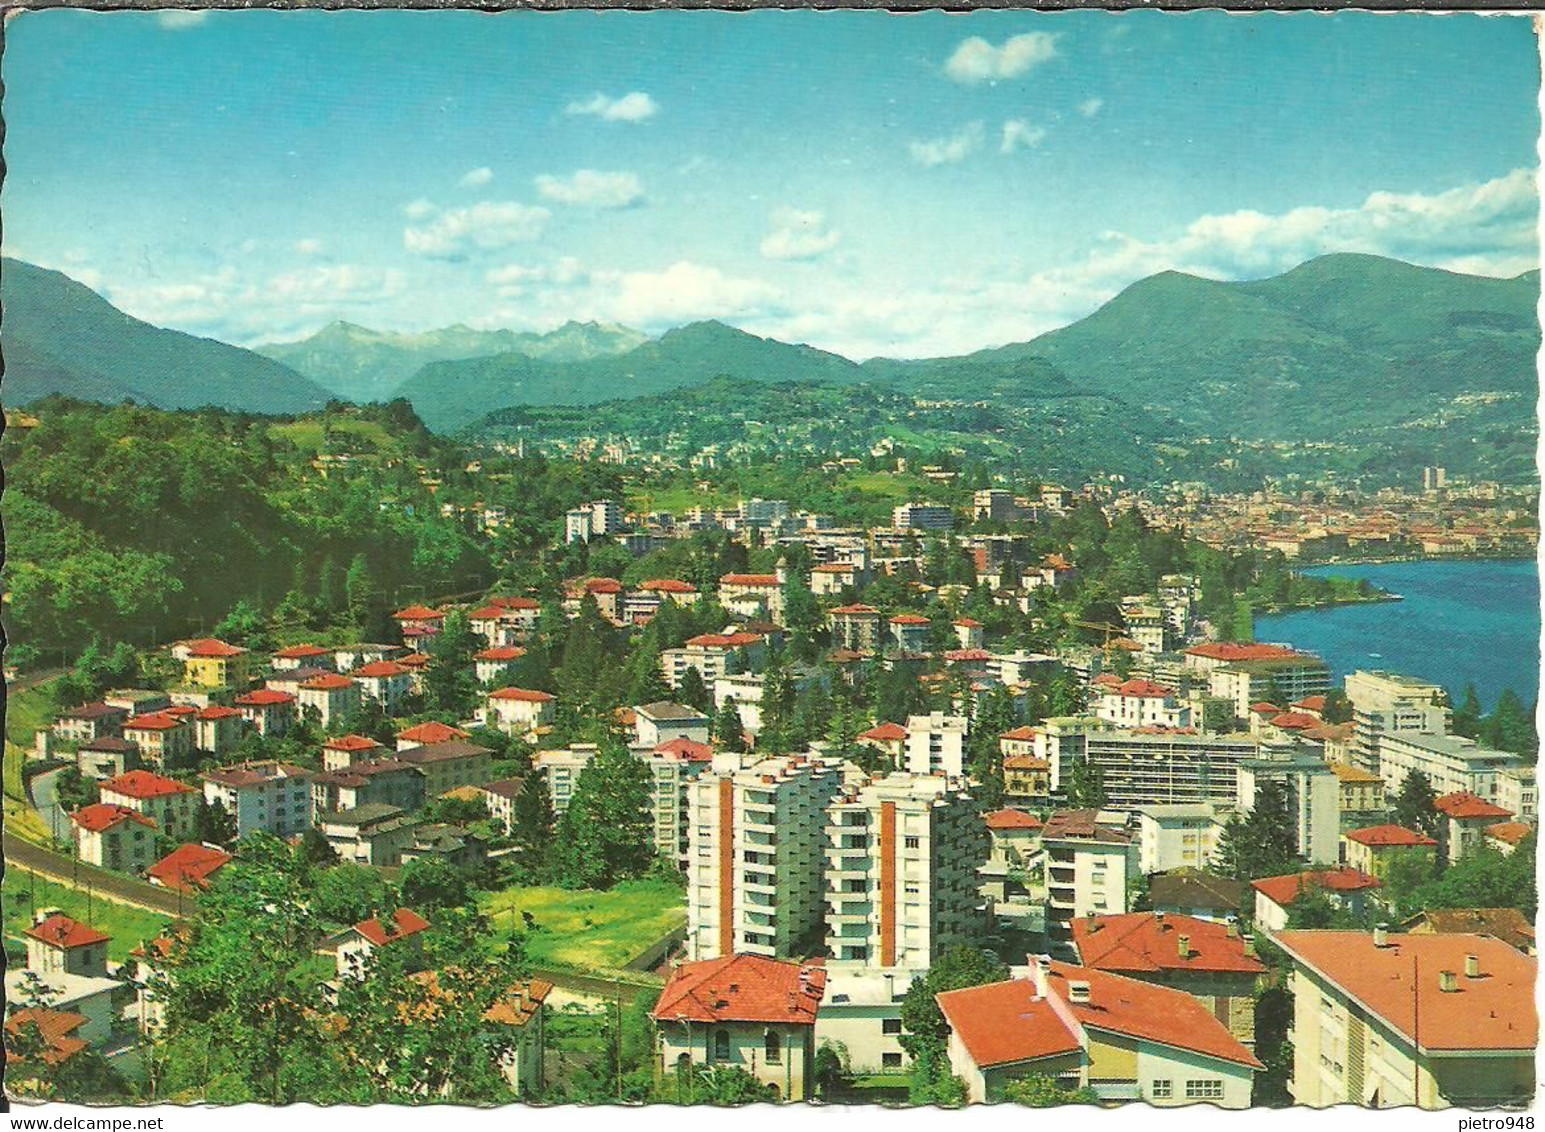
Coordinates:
x,y
1460,623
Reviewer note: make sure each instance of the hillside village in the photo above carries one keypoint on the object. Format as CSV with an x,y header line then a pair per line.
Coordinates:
x,y
939,810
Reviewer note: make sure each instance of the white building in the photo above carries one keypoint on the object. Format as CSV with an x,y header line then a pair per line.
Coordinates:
x,y
1177,835
713,655
922,517
1314,797
520,711
936,743
1090,860
1384,703
1143,703
862,1013
273,797
661,722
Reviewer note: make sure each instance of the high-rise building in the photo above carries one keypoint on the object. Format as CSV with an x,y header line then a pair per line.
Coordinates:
x,y
923,517
936,744
1384,703
901,870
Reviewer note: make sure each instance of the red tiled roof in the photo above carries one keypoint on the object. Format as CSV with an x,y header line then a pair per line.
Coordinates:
x,y
686,750
327,683
1142,689
413,660
667,586
188,867
1264,708
405,922
264,697
219,711
1311,703
1025,762
56,1028
515,602
844,610
749,580
1509,832
885,733
504,652
1004,1023
1012,819
379,669
1141,943
908,619
61,931
350,743
1295,721
522,695
1283,890
1462,804
967,654
1492,1012
179,711
302,652
834,568
210,647
1230,651
723,640
1378,836
968,623
102,816
743,988
603,586
487,613
419,613
1019,733
144,784
155,721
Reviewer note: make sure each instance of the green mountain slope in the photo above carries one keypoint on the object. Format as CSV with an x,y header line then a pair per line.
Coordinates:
x,y
61,337
360,364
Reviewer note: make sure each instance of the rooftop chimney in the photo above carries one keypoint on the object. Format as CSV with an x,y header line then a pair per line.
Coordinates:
x,y
1448,981
44,913
1040,967
1232,931
1159,916
1250,945
1381,935
1472,966
1185,946
1078,991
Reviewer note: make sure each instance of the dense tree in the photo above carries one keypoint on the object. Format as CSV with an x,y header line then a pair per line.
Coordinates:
x,y
1043,1092
450,681
349,893
607,832
1413,806
213,824
1085,786
728,732
693,692
1262,843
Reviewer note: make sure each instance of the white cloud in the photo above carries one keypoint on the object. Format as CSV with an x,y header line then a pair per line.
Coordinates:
x,y
178,19
309,247
948,150
420,209
635,106
799,235
1020,134
590,188
488,225
977,61
1089,107
476,178
686,292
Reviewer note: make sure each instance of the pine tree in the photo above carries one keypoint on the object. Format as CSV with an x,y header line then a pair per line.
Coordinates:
x,y
607,833
1414,807
1466,719
692,691
728,730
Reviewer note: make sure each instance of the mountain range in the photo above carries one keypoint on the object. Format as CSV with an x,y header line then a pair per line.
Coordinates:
x,y
1344,349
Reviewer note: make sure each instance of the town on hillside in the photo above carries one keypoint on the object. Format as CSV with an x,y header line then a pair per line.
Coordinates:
x,y
978,804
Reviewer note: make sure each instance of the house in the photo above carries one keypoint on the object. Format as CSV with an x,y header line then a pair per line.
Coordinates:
x,y
346,750
445,766
1177,835
521,1008
271,713
755,596
273,797
1465,821
388,781
890,739
855,627
114,837
1507,924
371,834
500,798
353,947
519,711
714,655
505,620
1371,850
290,679
1518,793
169,804
1274,896
162,740
661,722
188,868
384,681
1090,861
1213,963
52,1036
216,729
418,622
1015,850
1142,703
330,696
56,943
831,578
137,701
1084,1028
1505,837
105,757
211,663
493,664
1027,779
441,841
302,656
87,722
1360,797
349,657
861,1011
969,633
746,1011
69,960
431,731
1199,895
909,632
562,769
671,589
1385,1020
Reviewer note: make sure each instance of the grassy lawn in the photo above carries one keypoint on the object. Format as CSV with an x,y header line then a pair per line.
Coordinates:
x,y
678,498
128,927
27,711
307,435
25,822
589,930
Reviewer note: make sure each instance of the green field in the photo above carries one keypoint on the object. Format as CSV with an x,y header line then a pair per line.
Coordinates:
x,y
589,930
128,927
307,435
678,498
27,711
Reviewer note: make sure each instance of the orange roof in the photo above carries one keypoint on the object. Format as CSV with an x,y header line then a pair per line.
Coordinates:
x,y
908,619
1025,762
668,586
686,750
834,568
1011,819
520,1004
1380,836
967,654
56,1028
723,640
155,721
743,988
1311,703
1005,1023
487,613
419,613
1347,773
1019,733
61,931
968,623
210,647
179,710
1230,651
1462,804
603,586
1492,1012
302,652
515,602
218,711
1284,890
886,733
405,922
188,867
1143,689
1509,832
1266,709
749,580
1140,943
504,652
523,695
327,683
379,669
103,816
1295,721
350,743
844,610
144,784
264,697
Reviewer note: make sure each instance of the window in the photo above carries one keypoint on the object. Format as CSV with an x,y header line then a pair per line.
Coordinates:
x,y
890,1061
911,842
1161,1090
773,1048
890,1026
721,1045
1205,1089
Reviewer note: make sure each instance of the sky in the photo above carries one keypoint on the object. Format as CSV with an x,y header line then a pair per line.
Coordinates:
x,y
866,182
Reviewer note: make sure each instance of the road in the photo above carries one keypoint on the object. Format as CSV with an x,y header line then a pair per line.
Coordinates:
x,y
45,800
114,886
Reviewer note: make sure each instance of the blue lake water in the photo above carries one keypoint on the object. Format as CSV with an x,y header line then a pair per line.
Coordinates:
x,y
1460,623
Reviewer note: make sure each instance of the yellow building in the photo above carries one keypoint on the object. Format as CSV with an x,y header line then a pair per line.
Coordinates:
x,y
1371,850
209,663
1434,1020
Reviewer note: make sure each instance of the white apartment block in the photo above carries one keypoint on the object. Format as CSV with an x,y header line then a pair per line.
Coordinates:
x,y
1518,794
936,743
1089,865
1183,835
1451,763
1314,797
710,654
1148,766
273,797
1383,704
1143,703
755,870
561,769
901,870
922,517
1281,682
745,691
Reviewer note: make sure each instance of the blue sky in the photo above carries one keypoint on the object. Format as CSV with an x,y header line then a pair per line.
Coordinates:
x,y
867,182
